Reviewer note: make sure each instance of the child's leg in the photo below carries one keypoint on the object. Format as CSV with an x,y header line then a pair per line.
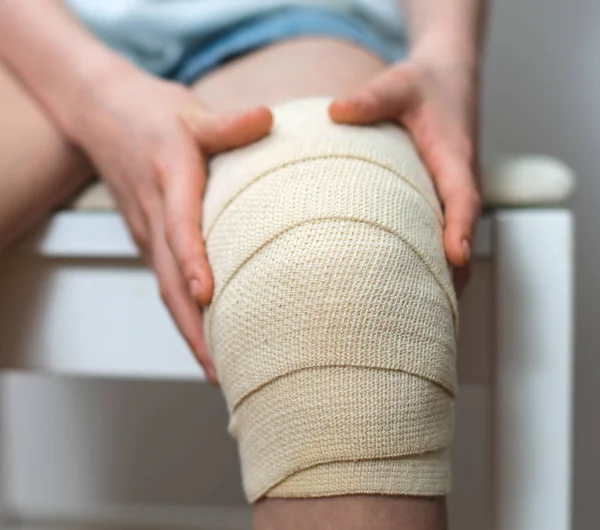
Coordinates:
x,y
267,77
352,513
292,69
38,167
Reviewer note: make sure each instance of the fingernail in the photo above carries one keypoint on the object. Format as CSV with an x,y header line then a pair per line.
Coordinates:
x,y
195,289
466,249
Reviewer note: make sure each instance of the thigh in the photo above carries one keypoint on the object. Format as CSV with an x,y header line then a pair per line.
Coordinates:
x,y
38,167
308,67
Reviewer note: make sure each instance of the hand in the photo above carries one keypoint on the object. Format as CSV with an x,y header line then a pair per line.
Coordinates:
x,y
436,103
149,140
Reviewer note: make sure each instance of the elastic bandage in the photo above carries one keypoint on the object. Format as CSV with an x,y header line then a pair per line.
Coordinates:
x,y
332,325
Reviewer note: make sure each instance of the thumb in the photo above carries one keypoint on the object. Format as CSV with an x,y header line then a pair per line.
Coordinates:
x,y
220,132
383,98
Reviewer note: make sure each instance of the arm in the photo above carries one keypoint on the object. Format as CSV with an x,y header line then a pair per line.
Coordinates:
x,y
55,57
434,94
147,138
450,29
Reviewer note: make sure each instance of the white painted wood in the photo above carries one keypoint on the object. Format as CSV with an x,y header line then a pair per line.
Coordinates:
x,y
95,311
78,234
85,234
143,517
82,304
86,317
3,455
527,181
104,318
139,518
533,392
81,448
84,307
2,458
91,479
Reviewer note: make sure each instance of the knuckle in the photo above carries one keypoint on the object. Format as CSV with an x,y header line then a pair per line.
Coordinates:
x,y
146,158
404,75
157,158
369,93
160,170
167,155
189,263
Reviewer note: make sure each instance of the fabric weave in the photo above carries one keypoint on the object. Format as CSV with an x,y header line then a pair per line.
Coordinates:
x,y
333,321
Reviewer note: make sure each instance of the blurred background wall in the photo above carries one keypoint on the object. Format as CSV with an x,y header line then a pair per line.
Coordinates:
x,y
542,94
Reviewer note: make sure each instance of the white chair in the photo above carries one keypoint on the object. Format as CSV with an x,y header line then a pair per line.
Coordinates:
x,y
75,300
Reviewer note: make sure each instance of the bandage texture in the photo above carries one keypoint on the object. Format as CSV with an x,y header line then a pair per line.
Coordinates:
x,y
333,321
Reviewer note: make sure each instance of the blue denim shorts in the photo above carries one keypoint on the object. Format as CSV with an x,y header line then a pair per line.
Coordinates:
x,y
251,34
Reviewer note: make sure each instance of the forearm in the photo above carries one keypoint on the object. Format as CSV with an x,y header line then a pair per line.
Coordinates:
x,y
53,55
451,29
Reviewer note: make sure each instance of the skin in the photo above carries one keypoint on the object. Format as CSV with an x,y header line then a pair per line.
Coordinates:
x,y
39,168
352,512
149,140
59,163
434,95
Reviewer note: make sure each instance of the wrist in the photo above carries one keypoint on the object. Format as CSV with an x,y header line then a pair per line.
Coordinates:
x,y
90,87
448,51
54,56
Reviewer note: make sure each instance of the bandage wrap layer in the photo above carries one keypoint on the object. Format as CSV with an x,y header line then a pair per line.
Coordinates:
x,y
333,321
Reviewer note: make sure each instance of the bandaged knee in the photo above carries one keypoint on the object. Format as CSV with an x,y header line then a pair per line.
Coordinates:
x,y
332,325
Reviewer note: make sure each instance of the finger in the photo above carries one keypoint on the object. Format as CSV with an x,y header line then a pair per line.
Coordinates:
x,y
385,97
183,188
447,153
459,195
219,132
183,309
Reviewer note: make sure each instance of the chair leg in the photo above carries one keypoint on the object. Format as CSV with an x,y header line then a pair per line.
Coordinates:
x,y
7,517
3,455
533,398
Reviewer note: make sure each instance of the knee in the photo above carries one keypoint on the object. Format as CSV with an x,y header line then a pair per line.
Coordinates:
x,y
332,324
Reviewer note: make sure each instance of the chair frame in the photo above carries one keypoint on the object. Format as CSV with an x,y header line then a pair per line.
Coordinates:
x,y
532,389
